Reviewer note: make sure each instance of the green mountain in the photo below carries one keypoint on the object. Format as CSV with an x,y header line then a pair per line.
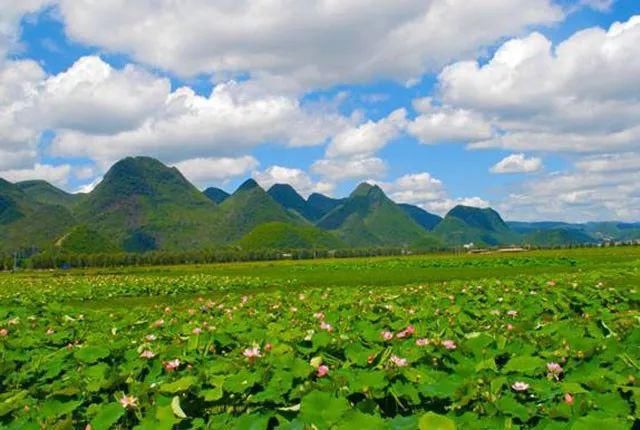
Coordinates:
x,y
143,205
27,223
84,240
321,205
427,220
249,207
45,193
216,194
289,198
464,224
284,236
368,217
557,237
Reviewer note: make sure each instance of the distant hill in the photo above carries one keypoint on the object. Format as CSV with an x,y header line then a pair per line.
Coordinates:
x,y
483,227
427,220
216,194
27,223
557,237
248,207
284,236
45,193
143,205
289,198
368,217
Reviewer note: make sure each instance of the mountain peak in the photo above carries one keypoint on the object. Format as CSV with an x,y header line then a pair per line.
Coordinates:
x,y
362,189
217,195
247,185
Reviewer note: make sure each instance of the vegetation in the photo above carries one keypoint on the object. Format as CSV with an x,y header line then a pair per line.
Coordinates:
x,y
540,340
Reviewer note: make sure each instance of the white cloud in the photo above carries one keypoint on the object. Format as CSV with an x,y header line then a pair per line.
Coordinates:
x,y
517,163
366,139
206,170
12,12
600,5
429,193
297,178
19,82
610,162
319,43
57,175
94,98
233,119
438,124
583,95
336,170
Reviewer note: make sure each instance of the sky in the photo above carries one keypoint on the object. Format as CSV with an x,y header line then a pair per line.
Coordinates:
x,y
531,107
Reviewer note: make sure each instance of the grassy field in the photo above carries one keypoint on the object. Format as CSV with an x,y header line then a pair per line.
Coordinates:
x,y
544,340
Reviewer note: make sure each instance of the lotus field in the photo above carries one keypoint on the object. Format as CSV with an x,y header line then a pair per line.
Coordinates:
x,y
544,340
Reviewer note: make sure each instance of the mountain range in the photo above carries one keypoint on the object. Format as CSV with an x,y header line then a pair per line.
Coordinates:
x,y
143,205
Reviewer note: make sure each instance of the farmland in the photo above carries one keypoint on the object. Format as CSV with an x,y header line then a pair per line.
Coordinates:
x,y
537,340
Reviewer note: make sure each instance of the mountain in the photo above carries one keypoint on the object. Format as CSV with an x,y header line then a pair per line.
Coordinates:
x,y
216,194
45,193
84,240
289,198
143,205
284,236
427,220
368,217
557,237
321,205
27,223
248,207
465,224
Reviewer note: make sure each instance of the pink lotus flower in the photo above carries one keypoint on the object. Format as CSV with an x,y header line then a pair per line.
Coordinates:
x,y
399,362
150,337
171,365
551,283
252,353
449,344
268,347
148,354
319,315
322,371
4,332
196,330
422,342
158,323
387,335
406,332
554,370
326,326
512,313
520,386
568,399
50,332
128,402
509,326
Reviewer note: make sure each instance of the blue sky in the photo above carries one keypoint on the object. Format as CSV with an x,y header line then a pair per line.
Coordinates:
x,y
528,106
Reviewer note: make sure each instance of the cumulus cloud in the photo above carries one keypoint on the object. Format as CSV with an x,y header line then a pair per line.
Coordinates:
x,y
341,169
316,44
423,190
94,98
517,163
231,120
297,178
57,175
437,124
366,139
12,13
203,171
582,95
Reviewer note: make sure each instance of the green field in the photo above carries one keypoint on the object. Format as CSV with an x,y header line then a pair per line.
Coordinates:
x,y
534,340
